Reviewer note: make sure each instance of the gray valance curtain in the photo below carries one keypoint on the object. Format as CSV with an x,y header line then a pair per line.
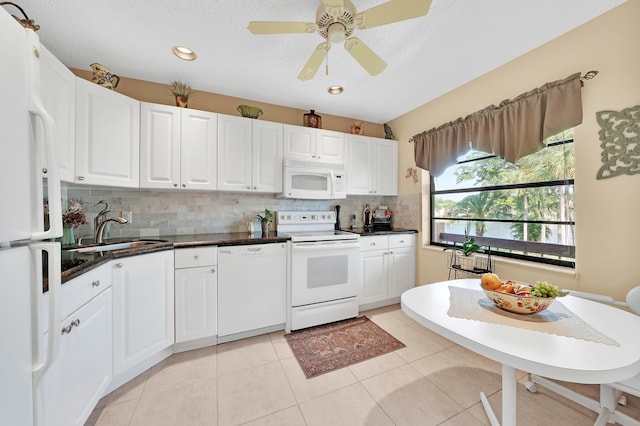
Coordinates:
x,y
515,128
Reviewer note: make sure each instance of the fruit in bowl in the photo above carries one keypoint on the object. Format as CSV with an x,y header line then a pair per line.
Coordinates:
x,y
520,297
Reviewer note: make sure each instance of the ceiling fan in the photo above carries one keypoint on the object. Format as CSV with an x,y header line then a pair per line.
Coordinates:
x,y
336,20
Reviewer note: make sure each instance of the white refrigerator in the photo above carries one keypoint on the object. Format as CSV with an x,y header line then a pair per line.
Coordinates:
x,y
28,175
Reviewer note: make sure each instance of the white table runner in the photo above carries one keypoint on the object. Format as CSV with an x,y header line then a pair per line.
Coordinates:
x,y
556,319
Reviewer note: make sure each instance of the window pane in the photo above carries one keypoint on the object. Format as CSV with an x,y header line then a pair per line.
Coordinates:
x,y
522,210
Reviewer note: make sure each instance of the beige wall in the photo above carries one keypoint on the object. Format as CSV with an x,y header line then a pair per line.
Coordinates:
x,y
159,93
607,225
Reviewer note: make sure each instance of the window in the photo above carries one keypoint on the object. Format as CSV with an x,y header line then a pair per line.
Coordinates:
x,y
523,210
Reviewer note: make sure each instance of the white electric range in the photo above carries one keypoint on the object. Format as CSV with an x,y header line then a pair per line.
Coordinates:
x,y
324,275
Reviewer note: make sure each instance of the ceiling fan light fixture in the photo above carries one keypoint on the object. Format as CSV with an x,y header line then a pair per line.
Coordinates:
x,y
335,90
336,33
184,53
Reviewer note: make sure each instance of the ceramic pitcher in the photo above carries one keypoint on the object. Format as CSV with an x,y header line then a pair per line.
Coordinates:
x,y
104,77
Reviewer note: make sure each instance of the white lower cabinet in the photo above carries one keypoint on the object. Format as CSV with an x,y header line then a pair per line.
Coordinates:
x,y
388,265
143,308
196,293
251,288
81,372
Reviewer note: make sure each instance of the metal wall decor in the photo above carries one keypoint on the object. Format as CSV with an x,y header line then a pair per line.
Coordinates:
x,y
620,136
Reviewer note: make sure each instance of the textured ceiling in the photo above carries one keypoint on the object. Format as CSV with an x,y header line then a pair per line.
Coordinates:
x,y
457,41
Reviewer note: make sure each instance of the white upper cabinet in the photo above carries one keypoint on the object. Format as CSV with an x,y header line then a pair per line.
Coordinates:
x,y
177,147
107,137
249,155
58,85
311,144
371,165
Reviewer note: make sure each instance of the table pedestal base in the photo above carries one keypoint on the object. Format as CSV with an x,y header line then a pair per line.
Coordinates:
x,y
509,383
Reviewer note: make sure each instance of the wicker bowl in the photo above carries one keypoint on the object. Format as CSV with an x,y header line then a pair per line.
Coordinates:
x,y
249,111
518,304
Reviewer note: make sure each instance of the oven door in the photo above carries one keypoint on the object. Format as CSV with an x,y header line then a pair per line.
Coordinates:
x,y
322,271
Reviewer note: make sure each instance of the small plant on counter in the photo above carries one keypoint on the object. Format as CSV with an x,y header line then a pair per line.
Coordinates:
x,y
265,217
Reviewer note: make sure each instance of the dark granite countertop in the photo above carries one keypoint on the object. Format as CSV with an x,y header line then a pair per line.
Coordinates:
x,y
362,232
75,264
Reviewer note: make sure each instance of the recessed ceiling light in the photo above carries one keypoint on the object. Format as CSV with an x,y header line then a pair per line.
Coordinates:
x,y
335,90
184,53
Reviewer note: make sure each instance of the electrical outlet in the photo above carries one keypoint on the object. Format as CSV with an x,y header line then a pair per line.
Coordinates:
x,y
127,214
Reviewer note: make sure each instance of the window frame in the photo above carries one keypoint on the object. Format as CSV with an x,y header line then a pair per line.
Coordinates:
x,y
505,244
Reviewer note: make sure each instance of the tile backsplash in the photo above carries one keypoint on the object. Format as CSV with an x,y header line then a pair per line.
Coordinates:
x,y
156,212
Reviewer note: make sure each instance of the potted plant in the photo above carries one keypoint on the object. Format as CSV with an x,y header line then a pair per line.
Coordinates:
x,y
461,257
181,91
265,220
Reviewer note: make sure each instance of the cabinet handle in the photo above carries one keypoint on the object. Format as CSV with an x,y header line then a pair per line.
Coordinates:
x,y
213,271
80,177
67,329
118,265
96,283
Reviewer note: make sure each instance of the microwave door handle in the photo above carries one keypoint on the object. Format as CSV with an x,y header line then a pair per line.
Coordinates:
x,y
332,190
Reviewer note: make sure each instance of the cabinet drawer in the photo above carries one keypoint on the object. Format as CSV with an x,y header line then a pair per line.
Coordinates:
x,y
79,291
195,257
377,242
402,240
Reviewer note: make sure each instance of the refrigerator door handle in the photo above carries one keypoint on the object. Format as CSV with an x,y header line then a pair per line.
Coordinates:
x,y
55,286
37,109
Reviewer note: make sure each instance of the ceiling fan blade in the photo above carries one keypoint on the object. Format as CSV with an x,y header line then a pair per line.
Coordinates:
x,y
314,62
272,27
392,11
365,56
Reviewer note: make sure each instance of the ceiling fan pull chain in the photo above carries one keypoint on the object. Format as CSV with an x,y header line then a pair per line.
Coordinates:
x,y
326,67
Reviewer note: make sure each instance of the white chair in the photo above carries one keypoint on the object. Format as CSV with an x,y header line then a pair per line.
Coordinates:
x,y
611,394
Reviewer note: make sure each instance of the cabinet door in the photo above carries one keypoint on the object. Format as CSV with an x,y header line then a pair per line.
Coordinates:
x,y
77,379
329,146
374,276
234,153
385,167
159,146
196,303
402,270
359,164
143,303
58,86
299,143
266,167
107,137
198,152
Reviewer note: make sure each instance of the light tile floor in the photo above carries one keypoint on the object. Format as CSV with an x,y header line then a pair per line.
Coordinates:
x,y
257,381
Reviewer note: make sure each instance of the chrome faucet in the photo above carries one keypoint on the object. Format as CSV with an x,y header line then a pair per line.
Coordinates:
x,y
103,223
102,214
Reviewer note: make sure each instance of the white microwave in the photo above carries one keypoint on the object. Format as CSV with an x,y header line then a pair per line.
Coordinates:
x,y
313,181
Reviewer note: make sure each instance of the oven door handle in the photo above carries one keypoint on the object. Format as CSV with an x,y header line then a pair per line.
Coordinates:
x,y
325,245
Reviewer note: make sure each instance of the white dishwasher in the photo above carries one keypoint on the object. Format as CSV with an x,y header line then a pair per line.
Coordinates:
x,y
251,287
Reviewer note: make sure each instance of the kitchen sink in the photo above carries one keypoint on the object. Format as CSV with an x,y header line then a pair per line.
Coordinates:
x,y
116,246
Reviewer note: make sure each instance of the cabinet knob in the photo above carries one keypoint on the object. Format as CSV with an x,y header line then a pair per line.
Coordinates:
x,y
184,185
44,170
118,265
248,187
96,283
175,185
80,177
401,241
213,271
255,188
196,257
373,244
390,252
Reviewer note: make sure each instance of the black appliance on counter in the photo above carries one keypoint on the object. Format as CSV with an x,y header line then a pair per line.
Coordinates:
x,y
381,219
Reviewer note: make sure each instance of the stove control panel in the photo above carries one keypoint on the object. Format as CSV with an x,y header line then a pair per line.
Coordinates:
x,y
305,217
